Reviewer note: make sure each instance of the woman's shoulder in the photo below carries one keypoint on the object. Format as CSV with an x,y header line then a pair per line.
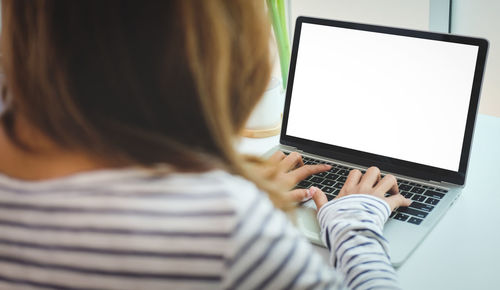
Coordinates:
x,y
215,188
235,191
134,179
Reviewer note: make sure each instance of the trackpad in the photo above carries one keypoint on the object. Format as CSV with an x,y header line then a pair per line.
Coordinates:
x,y
304,218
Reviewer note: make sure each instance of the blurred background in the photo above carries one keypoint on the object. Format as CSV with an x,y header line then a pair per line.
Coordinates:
x,y
479,18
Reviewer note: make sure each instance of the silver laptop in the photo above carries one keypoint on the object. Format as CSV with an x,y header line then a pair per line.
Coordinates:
x,y
402,100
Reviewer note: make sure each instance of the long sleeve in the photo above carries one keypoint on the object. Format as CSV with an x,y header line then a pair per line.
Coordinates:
x,y
128,229
267,252
351,227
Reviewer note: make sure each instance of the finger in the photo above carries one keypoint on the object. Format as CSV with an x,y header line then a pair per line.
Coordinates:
x,y
318,196
268,171
300,195
305,171
387,184
369,179
351,182
290,162
397,200
276,157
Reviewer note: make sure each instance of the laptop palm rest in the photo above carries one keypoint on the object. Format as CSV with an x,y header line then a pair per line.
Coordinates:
x,y
304,218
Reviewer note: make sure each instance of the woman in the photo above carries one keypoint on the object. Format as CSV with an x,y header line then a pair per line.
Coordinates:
x,y
118,170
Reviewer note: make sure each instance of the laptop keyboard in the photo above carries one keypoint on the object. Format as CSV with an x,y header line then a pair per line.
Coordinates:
x,y
424,197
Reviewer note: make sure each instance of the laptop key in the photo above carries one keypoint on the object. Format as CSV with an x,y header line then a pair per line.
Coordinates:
x,y
331,176
434,194
322,174
404,187
432,201
421,206
335,192
417,190
317,179
328,182
406,194
342,179
343,172
413,212
338,185
418,197
305,184
415,220
328,190
401,217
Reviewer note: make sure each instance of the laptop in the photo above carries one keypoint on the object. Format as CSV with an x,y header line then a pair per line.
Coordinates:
x,y
403,100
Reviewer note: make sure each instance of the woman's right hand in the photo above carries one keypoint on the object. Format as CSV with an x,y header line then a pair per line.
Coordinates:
x,y
369,183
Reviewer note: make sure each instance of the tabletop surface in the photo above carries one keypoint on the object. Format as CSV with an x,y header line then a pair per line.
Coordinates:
x,y
463,250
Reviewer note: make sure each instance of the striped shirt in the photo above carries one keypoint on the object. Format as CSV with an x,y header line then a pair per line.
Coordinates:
x,y
131,229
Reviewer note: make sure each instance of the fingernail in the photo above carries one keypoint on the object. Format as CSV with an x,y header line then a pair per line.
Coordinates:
x,y
312,191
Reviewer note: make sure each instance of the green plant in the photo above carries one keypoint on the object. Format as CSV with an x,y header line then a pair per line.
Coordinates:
x,y
278,19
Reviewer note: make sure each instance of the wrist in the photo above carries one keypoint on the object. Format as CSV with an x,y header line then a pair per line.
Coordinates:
x,y
355,207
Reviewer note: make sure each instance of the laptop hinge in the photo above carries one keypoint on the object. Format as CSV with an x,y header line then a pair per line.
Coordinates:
x,y
442,183
293,149
447,184
435,182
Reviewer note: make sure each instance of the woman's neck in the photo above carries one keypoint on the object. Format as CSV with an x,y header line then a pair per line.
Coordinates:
x,y
46,161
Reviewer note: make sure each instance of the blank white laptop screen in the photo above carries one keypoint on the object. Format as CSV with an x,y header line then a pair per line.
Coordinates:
x,y
396,96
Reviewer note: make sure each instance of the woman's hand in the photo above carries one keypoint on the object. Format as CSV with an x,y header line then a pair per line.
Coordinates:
x,y
290,170
368,183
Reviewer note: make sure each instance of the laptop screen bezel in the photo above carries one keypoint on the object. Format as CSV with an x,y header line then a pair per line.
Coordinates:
x,y
383,162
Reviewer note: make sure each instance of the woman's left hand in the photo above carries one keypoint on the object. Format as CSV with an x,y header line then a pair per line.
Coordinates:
x,y
290,170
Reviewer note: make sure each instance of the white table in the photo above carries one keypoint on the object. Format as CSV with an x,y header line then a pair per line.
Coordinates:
x,y
463,250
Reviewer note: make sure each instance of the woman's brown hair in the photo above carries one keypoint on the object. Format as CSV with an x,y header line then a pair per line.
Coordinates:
x,y
138,82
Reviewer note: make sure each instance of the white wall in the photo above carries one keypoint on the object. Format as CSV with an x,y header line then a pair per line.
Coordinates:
x,y
479,18
402,13
482,18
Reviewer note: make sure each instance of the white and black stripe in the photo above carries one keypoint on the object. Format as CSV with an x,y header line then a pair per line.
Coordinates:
x,y
353,225
131,229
